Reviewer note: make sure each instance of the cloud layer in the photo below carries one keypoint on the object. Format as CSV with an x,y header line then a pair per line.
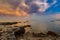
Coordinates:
x,y
22,7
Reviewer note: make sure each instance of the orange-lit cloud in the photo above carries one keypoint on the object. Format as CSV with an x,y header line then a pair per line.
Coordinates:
x,y
13,12
7,9
22,7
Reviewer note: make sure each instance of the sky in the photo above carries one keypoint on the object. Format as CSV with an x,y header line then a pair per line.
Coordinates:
x,y
43,14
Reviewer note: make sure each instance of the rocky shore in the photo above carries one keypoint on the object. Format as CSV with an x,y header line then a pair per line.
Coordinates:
x,y
10,32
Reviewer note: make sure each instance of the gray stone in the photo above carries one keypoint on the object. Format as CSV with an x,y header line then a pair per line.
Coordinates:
x,y
7,33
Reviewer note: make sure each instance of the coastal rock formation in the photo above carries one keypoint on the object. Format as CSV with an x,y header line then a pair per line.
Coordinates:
x,y
9,32
52,34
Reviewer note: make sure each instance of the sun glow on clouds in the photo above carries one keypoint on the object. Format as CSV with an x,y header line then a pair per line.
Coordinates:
x,y
7,9
24,8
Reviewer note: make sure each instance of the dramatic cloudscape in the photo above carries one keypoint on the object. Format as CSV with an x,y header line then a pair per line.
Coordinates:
x,y
43,14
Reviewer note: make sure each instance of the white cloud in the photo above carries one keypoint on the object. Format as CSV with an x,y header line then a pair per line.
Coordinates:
x,y
42,5
54,2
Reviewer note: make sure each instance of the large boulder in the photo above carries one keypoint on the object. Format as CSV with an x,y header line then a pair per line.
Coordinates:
x,y
52,34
